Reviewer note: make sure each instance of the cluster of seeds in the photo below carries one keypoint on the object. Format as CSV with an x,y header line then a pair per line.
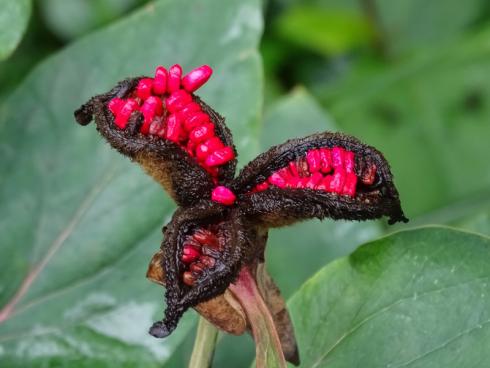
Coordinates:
x,y
170,112
331,170
199,252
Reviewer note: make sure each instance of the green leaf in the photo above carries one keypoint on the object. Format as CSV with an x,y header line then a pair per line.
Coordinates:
x,y
71,19
429,117
14,15
328,31
80,222
418,298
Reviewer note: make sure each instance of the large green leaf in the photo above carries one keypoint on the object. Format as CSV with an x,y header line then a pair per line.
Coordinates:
x,y
430,116
418,298
79,223
69,19
14,15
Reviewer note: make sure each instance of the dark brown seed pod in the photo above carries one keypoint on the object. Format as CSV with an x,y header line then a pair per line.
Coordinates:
x,y
220,228
282,203
169,164
181,293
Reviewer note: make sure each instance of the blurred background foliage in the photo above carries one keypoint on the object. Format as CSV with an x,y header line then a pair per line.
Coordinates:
x,y
410,77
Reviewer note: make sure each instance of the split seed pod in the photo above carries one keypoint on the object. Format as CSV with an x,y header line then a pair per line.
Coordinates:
x,y
222,222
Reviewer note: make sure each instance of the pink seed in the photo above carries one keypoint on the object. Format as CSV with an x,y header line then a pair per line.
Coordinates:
x,y
293,168
122,117
302,182
315,179
220,156
189,253
160,81
285,173
277,180
143,90
337,157
203,150
173,128
196,78
350,185
177,100
313,159
223,195
174,76
202,133
337,183
293,182
326,160
326,182
115,105
349,162
151,107
262,186
195,119
189,110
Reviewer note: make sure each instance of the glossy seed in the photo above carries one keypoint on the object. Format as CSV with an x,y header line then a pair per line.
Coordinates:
x,y
349,162
313,160
196,78
160,81
262,186
223,195
337,157
189,253
350,185
314,180
151,107
337,183
173,128
293,168
177,101
122,117
189,109
115,105
195,119
220,157
202,133
144,87
174,77
277,180
325,160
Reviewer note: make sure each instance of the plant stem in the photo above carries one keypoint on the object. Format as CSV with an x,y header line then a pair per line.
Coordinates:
x,y
268,348
204,344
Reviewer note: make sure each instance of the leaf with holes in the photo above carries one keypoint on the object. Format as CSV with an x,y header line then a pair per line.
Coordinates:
x,y
80,223
417,298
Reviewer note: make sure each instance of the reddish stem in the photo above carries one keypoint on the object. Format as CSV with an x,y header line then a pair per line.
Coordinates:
x,y
268,349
